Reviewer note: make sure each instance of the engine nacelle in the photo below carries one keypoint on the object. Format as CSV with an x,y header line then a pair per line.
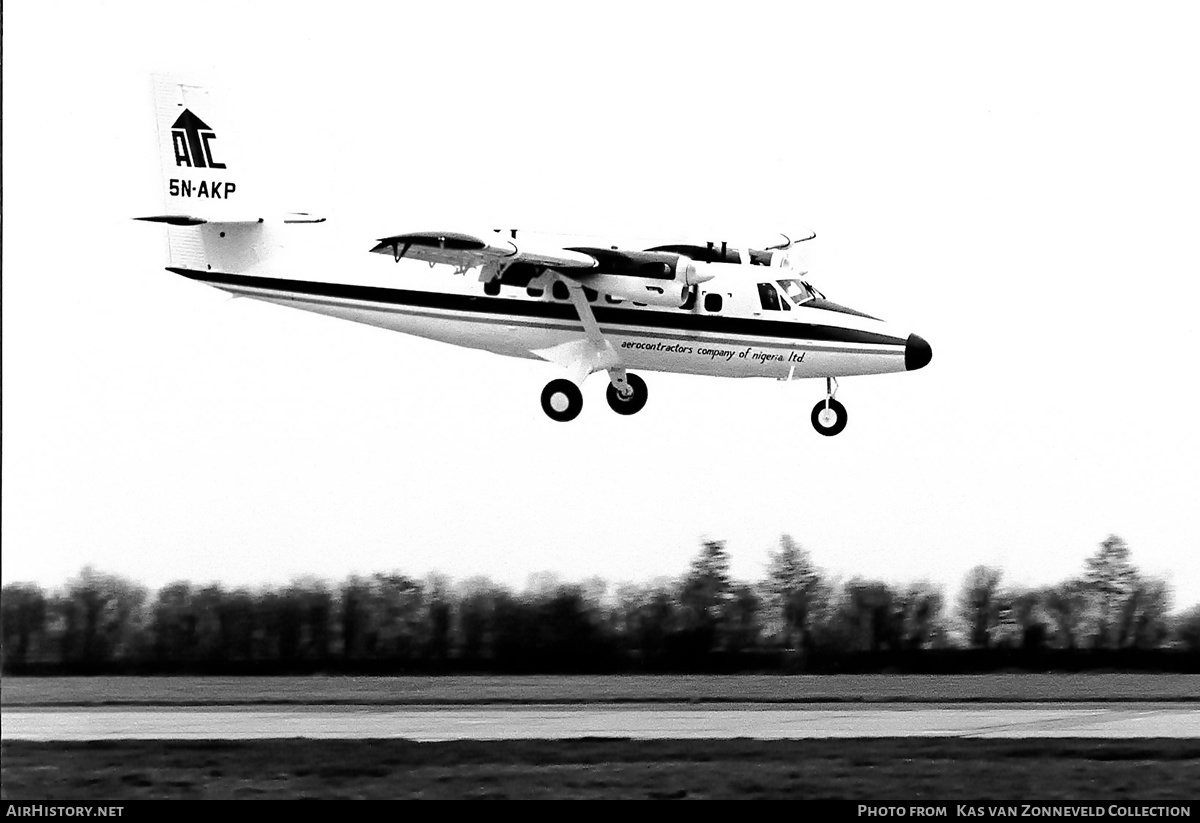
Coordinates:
x,y
640,290
653,278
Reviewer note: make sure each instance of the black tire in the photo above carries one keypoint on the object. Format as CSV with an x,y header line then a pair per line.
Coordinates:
x,y
564,394
632,404
838,424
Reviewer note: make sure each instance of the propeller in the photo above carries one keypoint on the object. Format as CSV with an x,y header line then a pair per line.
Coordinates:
x,y
696,273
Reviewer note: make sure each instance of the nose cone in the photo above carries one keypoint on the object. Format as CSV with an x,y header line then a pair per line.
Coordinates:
x,y
917,353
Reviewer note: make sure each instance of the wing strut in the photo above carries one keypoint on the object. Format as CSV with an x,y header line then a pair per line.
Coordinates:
x,y
584,308
590,354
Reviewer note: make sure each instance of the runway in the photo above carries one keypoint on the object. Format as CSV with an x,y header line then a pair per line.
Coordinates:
x,y
783,722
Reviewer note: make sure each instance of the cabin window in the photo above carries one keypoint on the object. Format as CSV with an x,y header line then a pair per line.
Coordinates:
x,y
768,296
690,302
491,287
560,290
534,291
713,302
590,294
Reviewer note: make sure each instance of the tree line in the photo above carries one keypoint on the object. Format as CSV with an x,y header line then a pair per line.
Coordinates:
x,y
798,618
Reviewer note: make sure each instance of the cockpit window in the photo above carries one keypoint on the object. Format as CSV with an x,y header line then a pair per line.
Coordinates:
x,y
768,296
798,291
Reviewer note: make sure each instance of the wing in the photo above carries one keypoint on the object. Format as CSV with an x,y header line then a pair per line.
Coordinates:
x,y
466,251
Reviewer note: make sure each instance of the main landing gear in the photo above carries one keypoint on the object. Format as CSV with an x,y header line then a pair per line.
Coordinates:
x,y
829,416
562,400
627,393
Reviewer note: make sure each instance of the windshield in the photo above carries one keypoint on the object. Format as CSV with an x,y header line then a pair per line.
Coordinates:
x,y
799,291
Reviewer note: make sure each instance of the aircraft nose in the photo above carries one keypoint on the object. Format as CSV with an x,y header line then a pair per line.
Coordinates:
x,y
917,353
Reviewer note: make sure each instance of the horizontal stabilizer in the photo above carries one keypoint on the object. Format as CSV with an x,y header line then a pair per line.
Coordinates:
x,y
188,220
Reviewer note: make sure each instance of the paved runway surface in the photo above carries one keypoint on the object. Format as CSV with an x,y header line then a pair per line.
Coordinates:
x,y
637,722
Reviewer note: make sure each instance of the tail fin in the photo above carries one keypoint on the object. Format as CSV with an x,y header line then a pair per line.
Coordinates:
x,y
201,174
213,209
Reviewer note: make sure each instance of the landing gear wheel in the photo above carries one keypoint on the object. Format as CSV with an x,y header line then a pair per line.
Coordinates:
x,y
634,402
829,421
562,400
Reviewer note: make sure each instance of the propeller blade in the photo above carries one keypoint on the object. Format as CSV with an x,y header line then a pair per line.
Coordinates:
x,y
695,274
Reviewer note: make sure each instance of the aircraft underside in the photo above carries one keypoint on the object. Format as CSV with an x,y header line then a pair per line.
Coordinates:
x,y
653,350
644,345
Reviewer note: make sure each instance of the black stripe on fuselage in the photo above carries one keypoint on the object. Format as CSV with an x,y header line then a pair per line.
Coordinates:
x,y
536,308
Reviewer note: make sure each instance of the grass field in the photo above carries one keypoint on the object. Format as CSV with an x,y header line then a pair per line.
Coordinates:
x,y
928,769
200,691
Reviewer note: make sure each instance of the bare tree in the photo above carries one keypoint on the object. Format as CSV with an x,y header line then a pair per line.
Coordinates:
x,y
922,605
400,612
705,594
871,616
1025,611
477,598
742,628
980,604
316,616
795,589
1110,579
354,606
174,623
1144,619
647,615
102,615
1187,629
23,615
238,622
441,616
711,566
1067,603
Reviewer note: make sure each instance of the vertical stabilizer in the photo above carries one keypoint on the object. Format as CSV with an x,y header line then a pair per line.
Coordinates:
x,y
213,205
201,173
206,190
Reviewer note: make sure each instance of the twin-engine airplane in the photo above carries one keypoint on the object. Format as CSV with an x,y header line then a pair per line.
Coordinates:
x,y
718,307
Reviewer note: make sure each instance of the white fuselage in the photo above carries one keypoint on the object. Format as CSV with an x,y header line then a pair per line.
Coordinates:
x,y
737,338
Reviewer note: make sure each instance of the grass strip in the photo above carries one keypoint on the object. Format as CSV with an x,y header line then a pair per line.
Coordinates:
x,y
942,769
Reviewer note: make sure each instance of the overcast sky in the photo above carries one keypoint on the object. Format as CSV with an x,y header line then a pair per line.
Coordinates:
x,y
1017,182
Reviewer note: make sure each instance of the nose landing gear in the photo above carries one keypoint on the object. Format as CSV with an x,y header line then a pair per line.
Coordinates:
x,y
829,416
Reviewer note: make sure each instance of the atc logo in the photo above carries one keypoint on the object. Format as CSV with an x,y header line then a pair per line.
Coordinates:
x,y
192,140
